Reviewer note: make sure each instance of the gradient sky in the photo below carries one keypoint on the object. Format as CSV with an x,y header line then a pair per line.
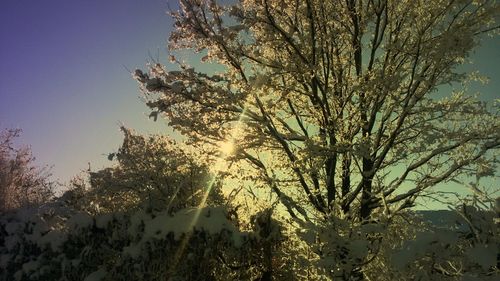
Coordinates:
x,y
63,77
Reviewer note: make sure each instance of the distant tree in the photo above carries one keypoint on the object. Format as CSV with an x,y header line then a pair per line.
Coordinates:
x,y
22,184
151,173
333,104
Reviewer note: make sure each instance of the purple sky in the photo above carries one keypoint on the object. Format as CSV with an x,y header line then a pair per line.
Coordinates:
x,y
63,77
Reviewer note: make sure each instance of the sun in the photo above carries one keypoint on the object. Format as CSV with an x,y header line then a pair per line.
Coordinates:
x,y
226,148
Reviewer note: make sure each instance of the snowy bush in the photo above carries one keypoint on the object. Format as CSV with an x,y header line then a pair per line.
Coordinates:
x,y
401,247
465,250
192,244
55,242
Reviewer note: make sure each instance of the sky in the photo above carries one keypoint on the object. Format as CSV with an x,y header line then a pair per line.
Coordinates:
x,y
64,78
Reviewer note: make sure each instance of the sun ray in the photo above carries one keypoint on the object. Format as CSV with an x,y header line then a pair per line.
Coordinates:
x,y
226,148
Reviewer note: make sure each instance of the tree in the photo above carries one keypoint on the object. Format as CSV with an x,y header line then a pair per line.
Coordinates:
x,y
152,173
21,182
333,101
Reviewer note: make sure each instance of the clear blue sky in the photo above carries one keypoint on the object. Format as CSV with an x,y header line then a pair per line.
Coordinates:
x,y
63,78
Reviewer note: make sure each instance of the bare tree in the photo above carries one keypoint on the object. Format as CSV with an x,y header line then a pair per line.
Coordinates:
x,y
21,182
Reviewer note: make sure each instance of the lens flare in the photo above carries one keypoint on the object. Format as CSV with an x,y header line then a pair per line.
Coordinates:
x,y
226,148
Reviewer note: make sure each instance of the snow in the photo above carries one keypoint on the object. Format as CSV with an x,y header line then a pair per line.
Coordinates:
x,y
211,220
80,220
359,248
13,227
55,239
134,250
102,221
470,277
18,275
96,275
177,87
483,255
30,266
136,222
4,260
142,229
11,242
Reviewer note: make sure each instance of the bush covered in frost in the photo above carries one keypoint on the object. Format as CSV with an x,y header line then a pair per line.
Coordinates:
x,y
191,244
402,247
55,242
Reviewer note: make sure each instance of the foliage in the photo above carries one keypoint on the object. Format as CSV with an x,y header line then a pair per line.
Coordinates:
x,y
21,182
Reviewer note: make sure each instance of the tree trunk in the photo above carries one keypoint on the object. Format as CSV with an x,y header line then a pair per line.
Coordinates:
x,y
365,210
